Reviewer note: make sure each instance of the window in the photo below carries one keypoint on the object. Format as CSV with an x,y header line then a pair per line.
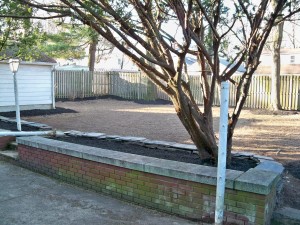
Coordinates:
x,y
292,59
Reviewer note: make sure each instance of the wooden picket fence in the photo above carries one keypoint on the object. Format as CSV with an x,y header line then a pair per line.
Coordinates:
x,y
136,86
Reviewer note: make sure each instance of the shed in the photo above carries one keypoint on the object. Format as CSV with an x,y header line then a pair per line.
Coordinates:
x,y
35,85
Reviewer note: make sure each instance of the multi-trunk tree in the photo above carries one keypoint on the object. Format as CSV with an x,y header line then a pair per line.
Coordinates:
x,y
139,29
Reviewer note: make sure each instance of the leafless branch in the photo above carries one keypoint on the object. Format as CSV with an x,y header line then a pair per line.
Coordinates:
x,y
210,22
245,10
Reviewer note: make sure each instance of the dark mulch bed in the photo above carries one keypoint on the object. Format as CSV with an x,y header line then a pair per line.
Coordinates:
x,y
38,112
129,147
242,164
149,102
293,168
13,126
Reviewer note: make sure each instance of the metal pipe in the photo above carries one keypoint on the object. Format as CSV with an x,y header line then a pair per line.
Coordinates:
x,y
27,133
18,117
222,152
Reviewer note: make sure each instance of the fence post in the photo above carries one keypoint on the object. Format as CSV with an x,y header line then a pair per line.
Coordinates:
x,y
291,92
139,85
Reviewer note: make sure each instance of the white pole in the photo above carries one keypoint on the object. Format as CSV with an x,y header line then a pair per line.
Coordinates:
x,y
53,87
221,176
18,117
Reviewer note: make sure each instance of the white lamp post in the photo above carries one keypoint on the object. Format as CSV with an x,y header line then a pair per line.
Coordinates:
x,y
14,65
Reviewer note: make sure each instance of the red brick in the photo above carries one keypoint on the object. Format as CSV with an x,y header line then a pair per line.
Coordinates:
x,y
167,179
127,179
84,172
109,170
132,185
234,221
114,176
230,214
121,182
104,173
167,184
5,140
92,174
185,187
120,173
151,185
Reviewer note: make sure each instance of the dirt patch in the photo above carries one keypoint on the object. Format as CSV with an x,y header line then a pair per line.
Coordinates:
x,y
258,131
243,164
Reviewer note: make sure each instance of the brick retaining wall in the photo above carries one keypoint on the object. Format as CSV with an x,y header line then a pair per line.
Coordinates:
x,y
4,141
184,197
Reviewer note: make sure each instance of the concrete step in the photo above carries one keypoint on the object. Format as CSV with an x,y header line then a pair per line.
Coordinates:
x,y
9,154
286,216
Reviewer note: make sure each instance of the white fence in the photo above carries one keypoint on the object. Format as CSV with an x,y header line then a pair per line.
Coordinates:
x,y
136,86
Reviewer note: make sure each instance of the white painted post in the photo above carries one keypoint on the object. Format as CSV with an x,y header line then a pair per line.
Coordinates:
x,y
53,87
18,117
221,176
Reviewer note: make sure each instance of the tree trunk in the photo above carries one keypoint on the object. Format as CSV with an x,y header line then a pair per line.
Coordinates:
x,y
275,68
198,126
92,53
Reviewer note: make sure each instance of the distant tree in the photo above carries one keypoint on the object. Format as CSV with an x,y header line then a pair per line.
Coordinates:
x,y
71,42
93,43
276,40
68,43
140,25
98,47
18,36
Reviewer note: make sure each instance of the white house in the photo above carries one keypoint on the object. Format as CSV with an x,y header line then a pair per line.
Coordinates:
x,y
115,60
194,68
35,85
112,60
289,61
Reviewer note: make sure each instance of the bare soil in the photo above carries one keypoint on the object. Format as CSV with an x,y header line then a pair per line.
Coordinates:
x,y
259,131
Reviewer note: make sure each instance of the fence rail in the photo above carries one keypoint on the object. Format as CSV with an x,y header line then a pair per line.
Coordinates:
x,y
136,86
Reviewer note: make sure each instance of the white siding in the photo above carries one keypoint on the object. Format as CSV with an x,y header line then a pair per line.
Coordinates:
x,y
34,85
266,60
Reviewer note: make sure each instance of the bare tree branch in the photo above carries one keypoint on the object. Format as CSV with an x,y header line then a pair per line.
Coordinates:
x,y
245,10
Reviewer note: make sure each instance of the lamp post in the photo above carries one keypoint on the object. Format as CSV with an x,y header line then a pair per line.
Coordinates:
x,y
14,65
